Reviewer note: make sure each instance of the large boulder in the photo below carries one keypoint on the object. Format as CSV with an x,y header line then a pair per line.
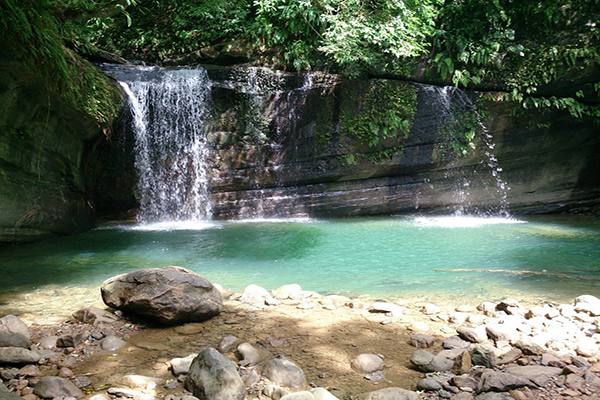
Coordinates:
x,y
214,377
284,372
14,332
169,295
50,387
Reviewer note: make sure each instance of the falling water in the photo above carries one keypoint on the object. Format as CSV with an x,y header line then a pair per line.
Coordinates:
x,y
451,105
169,113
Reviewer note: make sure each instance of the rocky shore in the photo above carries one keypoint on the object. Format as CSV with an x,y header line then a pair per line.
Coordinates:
x,y
293,344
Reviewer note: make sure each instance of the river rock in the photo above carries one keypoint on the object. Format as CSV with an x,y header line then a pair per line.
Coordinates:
x,y
255,295
392,393
455,342
140,381
169,295
247,354
112,343
428,384
228,343
322,394
284,372
69,340
462,363
388,308
214,377
367,363
18,355
499,332
587,347
501,381
50,387
94,316
473,335
287,291
430,309
304,395
589,304
483,355
133,394
6,394
182,365
14,332
538,374
274,391
421,340
421,358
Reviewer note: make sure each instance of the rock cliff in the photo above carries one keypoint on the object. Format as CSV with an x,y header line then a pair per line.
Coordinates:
x,y
325,146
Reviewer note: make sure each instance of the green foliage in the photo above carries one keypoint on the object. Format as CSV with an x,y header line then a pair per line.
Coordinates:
x,y
378,121
519,46
35,32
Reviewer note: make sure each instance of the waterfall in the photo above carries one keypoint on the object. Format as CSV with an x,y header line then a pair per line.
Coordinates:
x,y
464,134
169,109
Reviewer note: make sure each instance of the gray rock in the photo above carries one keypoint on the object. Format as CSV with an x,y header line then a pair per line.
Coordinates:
x,y
455,342
255,295
284,372
462,363
501,381
421,340
530,348
30,370
473,335
50,387
305,395
322,394
214,377
494,396
510,356
376,376
421,358
275,392
228,343
428,384
551,361
499,332
538,374
247,354
6,394
18,355
287,291
48,342
249,376
580,362
439,364
464,381
94,316
367,363
592,379
482,355
134,394
462,396
169,295
14,332
69,340
182,365
112,343
392,393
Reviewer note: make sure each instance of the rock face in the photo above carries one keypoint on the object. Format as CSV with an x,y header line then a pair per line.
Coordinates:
x,y
169,295
318,144
214,377
46,157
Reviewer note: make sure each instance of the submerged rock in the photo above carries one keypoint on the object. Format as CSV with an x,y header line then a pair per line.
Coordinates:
x,y
169,295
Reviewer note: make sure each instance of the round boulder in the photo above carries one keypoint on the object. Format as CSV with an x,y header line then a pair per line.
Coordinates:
x,y
169,295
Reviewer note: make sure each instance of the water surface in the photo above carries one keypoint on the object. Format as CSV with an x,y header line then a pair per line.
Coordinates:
x,y
446,258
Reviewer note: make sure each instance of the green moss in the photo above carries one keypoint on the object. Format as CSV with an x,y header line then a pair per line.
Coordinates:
x,y
378,122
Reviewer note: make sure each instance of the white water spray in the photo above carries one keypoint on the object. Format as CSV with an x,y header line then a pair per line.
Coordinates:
x,y
171,150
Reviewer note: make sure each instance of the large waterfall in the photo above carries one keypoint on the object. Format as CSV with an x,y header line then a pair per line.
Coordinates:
x,y
169,110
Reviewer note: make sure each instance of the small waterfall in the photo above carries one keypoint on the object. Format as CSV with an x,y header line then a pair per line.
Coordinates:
x,y
460,124
169,111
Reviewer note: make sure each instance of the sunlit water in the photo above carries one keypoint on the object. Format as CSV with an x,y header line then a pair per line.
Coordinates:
x,y
443,259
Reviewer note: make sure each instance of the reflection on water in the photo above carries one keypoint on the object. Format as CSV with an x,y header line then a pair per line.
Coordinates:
x,y
445,258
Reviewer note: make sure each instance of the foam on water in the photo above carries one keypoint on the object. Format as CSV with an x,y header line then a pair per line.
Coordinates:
x,y
463,221
173,226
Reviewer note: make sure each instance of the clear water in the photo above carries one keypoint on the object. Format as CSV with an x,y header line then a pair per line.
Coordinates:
x,y
554,259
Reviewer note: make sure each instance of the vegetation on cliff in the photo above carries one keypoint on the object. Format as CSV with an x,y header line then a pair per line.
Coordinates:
x,y
41,35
